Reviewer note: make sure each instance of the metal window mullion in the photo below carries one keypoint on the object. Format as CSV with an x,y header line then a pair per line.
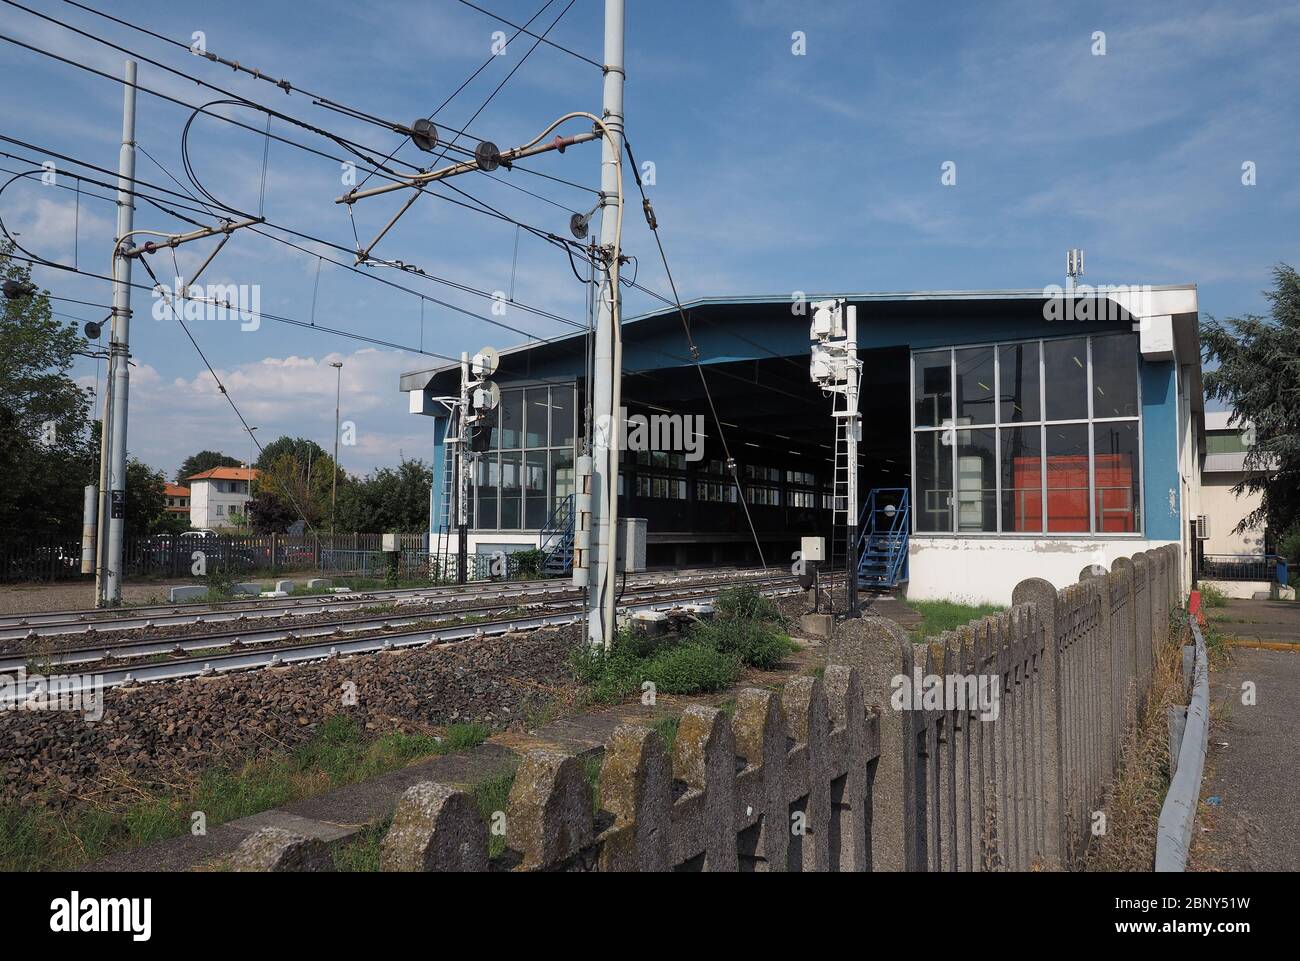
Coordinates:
x,y
1092,453
997,438
1042,440
953,503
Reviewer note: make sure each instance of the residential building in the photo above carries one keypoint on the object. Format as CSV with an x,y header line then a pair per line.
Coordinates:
x,y
176,499
218,497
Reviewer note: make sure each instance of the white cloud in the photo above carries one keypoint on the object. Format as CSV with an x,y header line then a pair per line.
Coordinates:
x,y
294,395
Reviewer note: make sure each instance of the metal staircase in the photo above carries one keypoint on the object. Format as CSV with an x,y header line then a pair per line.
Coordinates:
x,y
885,527
557,540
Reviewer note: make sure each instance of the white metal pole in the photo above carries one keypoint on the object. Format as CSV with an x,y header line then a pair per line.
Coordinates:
x,y
854,431
463,466
119,348
605,418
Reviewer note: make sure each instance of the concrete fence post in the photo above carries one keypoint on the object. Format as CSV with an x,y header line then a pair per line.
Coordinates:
x,y
1042,595
1098,581
636,787
875,646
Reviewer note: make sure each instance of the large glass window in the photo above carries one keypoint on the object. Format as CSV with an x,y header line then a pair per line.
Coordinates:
x,y
975,380
933,388
934,481
528,468
1021,479
1116,482
1018,382
1065,373
1032,437
1067,478
977,486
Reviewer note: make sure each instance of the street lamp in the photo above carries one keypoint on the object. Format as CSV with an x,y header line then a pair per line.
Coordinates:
x,y
334,493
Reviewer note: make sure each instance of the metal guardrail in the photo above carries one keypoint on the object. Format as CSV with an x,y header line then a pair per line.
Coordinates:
x,y
1178,815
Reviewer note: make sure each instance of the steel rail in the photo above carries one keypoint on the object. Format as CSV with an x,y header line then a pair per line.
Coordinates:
x,y
240,638
117,619
35,689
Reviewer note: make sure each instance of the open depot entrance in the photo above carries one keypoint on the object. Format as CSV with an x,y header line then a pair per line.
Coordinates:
x,y
779,429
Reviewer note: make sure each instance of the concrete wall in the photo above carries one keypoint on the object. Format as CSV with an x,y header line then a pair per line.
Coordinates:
x,y
1245,590
986,570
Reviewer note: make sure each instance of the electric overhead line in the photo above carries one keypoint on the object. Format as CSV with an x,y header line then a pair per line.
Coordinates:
x,y
242,101
653,223
543,38
468,80
329,103
464,288
226,394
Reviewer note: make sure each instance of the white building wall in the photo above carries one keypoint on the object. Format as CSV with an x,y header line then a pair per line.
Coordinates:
x,y
986,570
1225,510
204,498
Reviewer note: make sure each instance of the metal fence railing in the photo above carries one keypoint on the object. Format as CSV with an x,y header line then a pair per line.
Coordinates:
x,y
1237,567
185,555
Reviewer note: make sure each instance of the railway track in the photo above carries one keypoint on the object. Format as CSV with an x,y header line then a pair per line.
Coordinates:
x,y
109,675
20,626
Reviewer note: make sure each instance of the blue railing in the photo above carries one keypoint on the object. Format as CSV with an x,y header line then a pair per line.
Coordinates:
x,y
884,528
557,540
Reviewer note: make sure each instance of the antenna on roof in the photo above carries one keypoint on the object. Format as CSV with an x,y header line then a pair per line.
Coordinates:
x,y
1073,266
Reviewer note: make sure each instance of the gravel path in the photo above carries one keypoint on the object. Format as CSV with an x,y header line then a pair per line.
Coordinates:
x,y
75,595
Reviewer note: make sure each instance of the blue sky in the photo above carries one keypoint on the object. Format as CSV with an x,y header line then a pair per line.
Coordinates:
x,y
774,172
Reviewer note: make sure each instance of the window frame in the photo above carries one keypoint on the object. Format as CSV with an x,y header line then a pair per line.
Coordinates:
x,y
1042,424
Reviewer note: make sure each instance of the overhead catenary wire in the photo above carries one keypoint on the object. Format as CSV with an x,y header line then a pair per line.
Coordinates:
x,y
224,392
653,223
331,104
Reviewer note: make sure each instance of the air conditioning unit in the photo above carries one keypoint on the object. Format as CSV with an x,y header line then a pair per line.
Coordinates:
x,y
1202,527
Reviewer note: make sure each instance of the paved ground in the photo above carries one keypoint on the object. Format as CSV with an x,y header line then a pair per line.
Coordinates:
x,y
1249,818
1258,620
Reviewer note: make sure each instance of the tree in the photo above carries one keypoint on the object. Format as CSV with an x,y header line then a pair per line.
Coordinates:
x,y
146,501
390,499
1258,373
306,452
43,415
202,461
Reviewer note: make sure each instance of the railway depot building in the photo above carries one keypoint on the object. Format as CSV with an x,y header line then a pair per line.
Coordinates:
x,y
1010,433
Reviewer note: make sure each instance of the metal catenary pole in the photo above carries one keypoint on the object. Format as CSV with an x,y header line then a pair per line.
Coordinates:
x,y
110,579
605,416
462,475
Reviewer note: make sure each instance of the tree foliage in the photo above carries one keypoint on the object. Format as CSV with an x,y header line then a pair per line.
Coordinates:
x,y
1258,374
44,440
390,499
204,460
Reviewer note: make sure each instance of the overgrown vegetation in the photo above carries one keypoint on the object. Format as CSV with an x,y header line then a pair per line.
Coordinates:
x,y
35,838
943,616
1134,800
745,631
1212,596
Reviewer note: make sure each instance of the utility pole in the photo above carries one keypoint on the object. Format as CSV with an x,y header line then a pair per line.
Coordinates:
x,y
112,453
462,475
606,374
334,493
853,369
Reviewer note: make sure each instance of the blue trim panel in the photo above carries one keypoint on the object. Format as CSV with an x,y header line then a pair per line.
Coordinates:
x,y
1160,450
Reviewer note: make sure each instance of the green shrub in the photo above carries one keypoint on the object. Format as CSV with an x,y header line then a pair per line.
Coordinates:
x,y
754,642
1212,596
746,602
691,668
